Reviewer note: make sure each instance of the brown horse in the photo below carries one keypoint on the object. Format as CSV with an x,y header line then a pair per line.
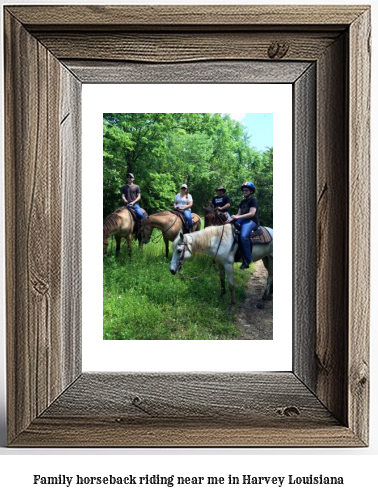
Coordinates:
x,y
121,224
213,217
169,224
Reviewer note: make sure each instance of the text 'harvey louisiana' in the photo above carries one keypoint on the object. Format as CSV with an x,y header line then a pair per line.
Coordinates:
x,y
172,480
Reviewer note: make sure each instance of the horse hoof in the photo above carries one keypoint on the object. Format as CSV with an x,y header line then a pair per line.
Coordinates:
x,y
260,305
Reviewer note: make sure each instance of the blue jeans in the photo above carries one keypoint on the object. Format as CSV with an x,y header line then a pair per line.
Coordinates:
x,y
246,226
188,217
138,211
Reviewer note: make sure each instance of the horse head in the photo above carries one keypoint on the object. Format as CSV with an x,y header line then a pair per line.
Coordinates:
x,y
209,216
181,252
145,231
213,217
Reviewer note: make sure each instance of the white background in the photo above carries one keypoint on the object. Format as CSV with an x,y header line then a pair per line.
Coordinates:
x,y
186,355
357,465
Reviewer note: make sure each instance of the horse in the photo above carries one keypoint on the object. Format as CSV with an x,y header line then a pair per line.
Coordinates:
x,y
169,224
220,243
213,217
121,224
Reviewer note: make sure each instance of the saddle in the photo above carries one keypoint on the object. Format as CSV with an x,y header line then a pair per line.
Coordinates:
x,y
183,219
135,217
258,237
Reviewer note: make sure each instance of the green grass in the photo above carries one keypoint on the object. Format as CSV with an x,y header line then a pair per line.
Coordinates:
x,y
144,301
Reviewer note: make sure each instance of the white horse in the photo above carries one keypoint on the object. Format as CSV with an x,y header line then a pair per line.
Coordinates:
x,y
219,242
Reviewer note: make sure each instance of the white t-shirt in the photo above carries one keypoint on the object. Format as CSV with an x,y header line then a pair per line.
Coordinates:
x,y
181,202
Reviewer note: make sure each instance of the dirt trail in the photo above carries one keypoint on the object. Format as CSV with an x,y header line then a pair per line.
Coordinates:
x,y
254,323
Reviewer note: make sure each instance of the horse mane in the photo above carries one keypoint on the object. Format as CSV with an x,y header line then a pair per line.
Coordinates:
x,y
202,239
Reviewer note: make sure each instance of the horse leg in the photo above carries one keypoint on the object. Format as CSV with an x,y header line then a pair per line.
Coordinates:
x,y
118,244
139,238
129,240
166,241
268,263
229,269
222,279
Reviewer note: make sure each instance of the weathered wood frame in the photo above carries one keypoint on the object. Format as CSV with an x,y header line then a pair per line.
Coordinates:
x,y
49,53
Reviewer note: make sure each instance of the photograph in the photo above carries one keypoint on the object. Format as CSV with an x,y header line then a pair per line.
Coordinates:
x,y
188,226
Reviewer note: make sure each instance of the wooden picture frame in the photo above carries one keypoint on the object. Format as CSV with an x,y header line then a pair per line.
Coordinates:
x,y
324,52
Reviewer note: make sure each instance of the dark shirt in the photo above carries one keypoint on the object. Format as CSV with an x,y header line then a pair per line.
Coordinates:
x,y
246,205
221,201
130,192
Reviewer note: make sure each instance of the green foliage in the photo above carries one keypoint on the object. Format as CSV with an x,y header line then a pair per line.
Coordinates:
x,y
144,301
163,150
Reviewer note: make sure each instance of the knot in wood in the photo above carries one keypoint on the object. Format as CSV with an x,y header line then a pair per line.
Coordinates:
x,y
288,411
278,50
136,400
41,287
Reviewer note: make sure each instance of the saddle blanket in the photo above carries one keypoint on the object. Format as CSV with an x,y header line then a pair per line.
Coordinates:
x,y
260,236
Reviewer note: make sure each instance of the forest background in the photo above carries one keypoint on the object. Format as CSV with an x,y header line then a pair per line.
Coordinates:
x,y
164,150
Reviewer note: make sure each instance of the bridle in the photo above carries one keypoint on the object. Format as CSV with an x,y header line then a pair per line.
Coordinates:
x,y
182,257
160,236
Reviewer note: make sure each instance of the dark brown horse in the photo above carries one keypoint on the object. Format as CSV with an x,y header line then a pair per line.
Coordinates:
x,y
169,224
214,217
121,224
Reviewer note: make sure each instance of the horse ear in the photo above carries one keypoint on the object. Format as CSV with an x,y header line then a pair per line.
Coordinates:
x,y
181,235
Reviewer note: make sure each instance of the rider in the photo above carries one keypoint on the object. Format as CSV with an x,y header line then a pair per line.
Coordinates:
x,y
246,220
131,195
221,202
183,202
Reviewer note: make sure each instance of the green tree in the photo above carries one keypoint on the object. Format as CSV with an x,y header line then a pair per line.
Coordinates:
x,y
163,150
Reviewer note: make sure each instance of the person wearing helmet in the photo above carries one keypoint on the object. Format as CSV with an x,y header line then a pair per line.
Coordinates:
x,y
246,221
131,195
221,201
183,202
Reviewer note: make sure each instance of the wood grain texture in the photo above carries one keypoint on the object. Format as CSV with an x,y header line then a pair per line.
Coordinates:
x,y
185,16
304,227
200,72
71,188
359,241
33,229
180,47
324,402
193,409
192,396
332,230
33,211
100,432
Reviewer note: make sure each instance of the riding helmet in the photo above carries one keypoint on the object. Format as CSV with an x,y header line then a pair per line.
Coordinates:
x,y
249,185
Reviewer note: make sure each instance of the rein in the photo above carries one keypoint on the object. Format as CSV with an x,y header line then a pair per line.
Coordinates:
x,y
160,236
182,275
